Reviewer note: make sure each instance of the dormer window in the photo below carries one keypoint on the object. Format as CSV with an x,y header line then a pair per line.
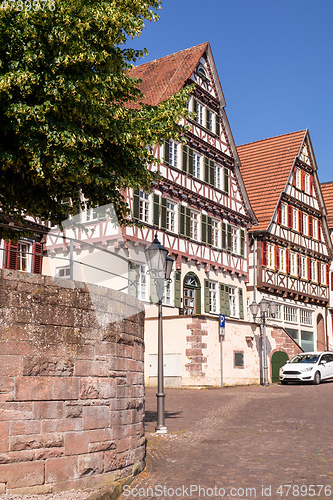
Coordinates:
x,y
202,72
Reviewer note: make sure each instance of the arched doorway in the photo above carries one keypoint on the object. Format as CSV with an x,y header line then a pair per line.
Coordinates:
x,y
279,358
321,341
192,294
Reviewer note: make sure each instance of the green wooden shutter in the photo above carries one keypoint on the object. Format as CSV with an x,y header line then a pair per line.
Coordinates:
x,y
204,228
217,125
136,204
206,168
198,304
224,236
187,222
167,151
212,172
195,109
241,305
156,210
229,246
224,300
190,161
132,280
163,213
206,296
185,158
207,118
226,180
209,230
178,289
182,220
242,242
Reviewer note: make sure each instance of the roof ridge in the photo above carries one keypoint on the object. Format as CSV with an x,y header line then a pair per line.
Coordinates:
x,y
274,137
326,182
173,53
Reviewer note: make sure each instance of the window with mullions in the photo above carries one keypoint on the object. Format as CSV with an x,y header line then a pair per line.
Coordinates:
x,y
290,314
199,110
170,216
212,297
192,300
197,165
173,153
215,232
144,206
22,256
305,317
194,225
233,301
89,214
138,281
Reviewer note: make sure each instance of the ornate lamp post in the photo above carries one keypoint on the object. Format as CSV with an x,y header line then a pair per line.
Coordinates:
x,y
160,267
265,308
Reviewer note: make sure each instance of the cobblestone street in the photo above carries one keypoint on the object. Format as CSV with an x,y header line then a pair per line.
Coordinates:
x,y
240,442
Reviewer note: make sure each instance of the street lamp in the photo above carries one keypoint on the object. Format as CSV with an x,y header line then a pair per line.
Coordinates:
x,y
265,308
159,268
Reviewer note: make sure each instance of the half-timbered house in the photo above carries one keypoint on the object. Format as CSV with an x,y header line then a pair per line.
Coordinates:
x,y
327,190
201,213
291,248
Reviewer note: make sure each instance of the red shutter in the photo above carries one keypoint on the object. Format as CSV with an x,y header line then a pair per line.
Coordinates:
x,y
277,257
264,253
309,269
37,258
298,265
290,216
327,275
10,260
300,220
279,214
294,177
331,281
310,226
287,261
303,180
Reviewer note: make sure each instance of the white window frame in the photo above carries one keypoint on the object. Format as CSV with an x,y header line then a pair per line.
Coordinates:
x,y
323,273
212,296
197,165
171,216
284,214
233,302
168,294
307,183
200,113
293,263
211,115
298,178
235,240
295,219
174,154
305,224
290,314
218,176
303,267
144,206
142,289
313,270
315,228
306,317
215,232
23,258
282,259
63,272
270,255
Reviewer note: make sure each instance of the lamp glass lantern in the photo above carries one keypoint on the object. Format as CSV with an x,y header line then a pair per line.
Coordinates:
x,y
156,255
254,308
264,304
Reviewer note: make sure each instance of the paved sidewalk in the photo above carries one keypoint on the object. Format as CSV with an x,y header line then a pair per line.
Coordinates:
x,y
242,442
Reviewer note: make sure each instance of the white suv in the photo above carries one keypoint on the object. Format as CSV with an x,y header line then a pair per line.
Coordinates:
x,y
308,367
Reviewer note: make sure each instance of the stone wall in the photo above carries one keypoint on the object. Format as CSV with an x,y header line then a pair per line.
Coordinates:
x,y
71,384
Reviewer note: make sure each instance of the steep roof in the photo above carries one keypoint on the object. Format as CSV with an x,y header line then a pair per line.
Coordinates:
x,y
327,191
166,76
265,168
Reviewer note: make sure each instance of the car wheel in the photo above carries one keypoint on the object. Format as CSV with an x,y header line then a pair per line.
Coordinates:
x,y
284,382
316,378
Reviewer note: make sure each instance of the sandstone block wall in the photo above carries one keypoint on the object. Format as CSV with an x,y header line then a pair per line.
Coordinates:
x,y
71,384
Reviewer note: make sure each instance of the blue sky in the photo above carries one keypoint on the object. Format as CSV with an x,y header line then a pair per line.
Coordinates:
x,y
274,59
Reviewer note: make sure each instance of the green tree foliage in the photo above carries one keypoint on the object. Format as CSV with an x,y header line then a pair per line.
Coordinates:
x,y
66,126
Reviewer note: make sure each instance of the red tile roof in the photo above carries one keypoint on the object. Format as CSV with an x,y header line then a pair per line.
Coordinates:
x,y
327,191
265,167
166,76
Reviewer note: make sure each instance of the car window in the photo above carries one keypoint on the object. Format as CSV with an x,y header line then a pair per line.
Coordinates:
x,y
329,358
305,358
324,358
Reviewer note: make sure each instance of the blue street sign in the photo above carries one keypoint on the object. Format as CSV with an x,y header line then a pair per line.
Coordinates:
x,y
222,320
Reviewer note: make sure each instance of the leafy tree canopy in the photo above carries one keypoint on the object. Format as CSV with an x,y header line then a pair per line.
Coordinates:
x,y
66,125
